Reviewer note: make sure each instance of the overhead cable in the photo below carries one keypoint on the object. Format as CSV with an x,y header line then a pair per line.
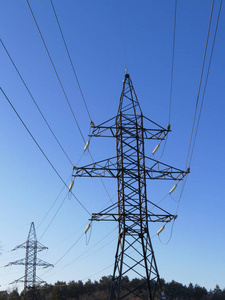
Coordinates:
x,y
54,216
61,85
77,258
92,248
78,82
199,116
200,83
188,161
39,147
174,36
65,252
214,39
111,264
171,81
29,92
69,249
206,81
74,72
63,89
52,205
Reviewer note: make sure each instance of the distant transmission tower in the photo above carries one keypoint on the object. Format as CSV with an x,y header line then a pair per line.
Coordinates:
x,y
31,261
134,253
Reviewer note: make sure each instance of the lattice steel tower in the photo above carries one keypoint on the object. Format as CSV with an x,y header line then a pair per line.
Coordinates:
x,y
134,253
30,278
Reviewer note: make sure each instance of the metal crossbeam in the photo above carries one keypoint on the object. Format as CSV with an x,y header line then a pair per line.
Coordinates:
x,y
109,129
109,168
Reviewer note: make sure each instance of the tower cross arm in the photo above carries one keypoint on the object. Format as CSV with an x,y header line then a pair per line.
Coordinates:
x,y
21,279
17,262
42,263
41,247
109,128
108,168
151,217
103,168
111,214
159,170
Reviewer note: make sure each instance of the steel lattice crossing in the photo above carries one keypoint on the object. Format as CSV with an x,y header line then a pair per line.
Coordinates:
x,y
31,261
131,168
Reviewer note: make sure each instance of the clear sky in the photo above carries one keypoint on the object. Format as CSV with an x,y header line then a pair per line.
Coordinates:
x,y
29,186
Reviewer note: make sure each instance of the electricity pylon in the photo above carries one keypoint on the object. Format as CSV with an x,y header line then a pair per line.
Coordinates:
x,y
134,253
30,278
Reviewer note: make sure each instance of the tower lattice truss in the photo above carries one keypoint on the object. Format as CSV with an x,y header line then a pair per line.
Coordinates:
x,y
131,167
31,261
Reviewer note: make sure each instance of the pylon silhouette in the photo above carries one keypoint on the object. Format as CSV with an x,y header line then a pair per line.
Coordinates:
x,y
134,252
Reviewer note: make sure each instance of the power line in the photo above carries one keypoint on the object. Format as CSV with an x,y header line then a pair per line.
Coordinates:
x,y
77,82
39,147
206,81
69,249
199,116
66,252
92,248
74,72
110,265
77,258
174,36
200,83
46,48
63,89
54,216
172,68
97,272
29,92
52,205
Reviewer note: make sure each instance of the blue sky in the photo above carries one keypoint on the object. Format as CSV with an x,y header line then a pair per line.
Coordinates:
x,y
28,184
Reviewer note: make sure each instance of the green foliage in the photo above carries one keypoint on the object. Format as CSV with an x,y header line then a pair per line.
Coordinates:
x,y
100,291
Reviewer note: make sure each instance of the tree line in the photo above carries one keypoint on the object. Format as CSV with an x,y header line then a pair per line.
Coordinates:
x,y
99,290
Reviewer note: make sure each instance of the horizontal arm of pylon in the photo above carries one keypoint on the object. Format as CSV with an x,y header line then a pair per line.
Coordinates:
x,y
103,168
41,247
108,168
159,170
111,214
21,279
20,246
42,263
17,262
39,280
110,129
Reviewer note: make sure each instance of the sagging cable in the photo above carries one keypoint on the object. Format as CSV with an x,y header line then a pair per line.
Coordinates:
x,y
166,222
